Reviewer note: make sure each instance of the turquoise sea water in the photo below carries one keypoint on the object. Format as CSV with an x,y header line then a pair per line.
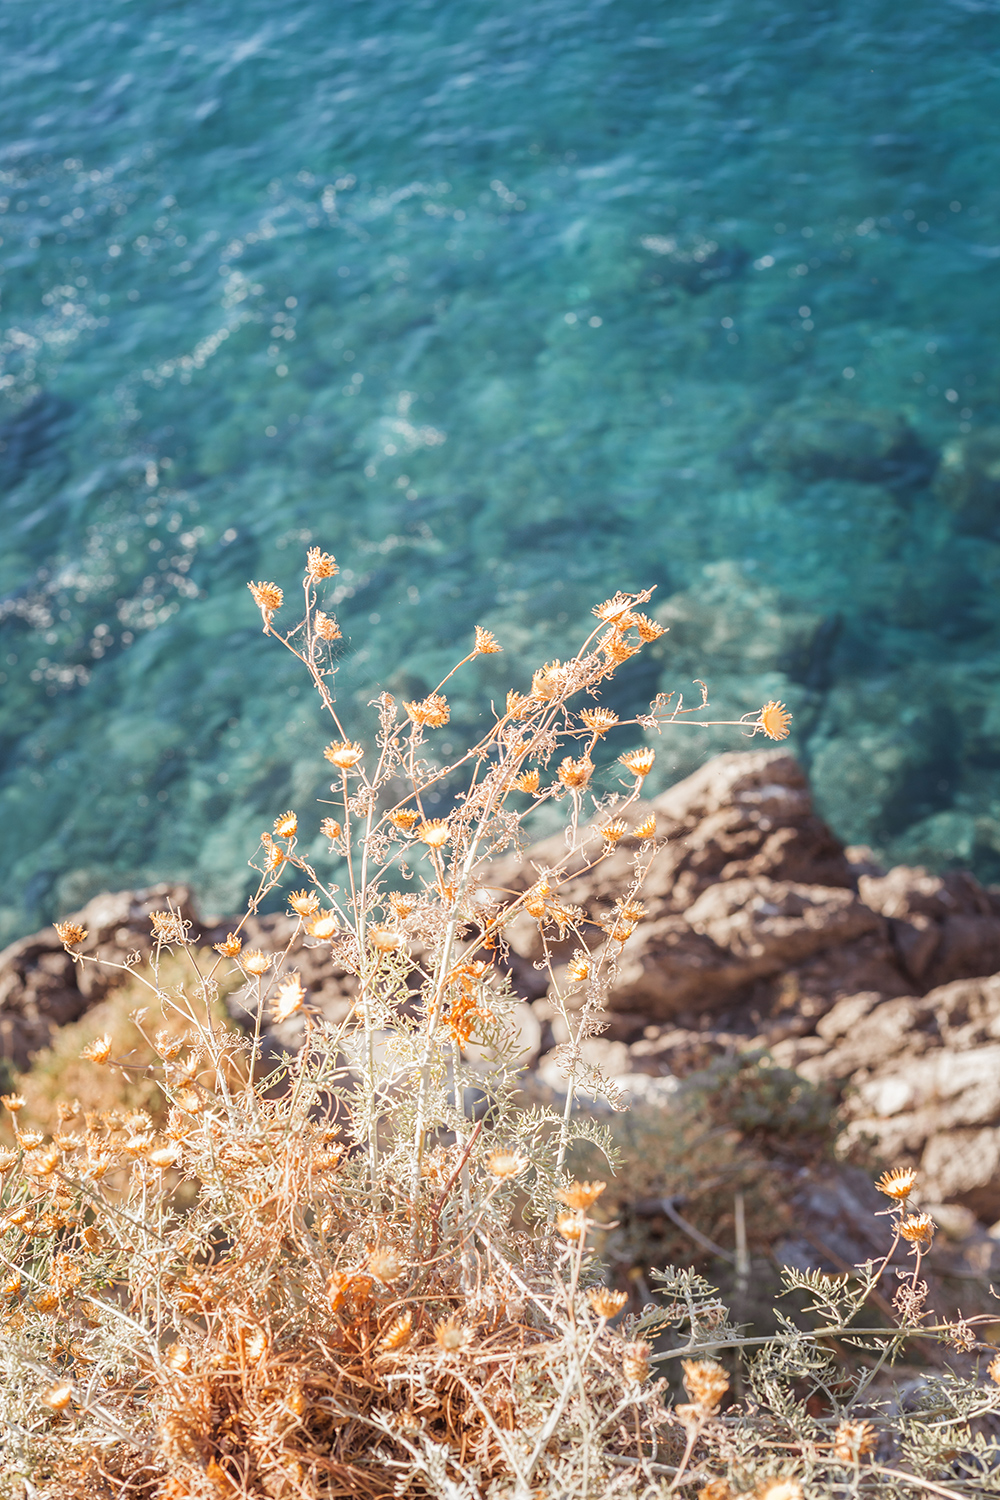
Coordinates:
x,y
507,306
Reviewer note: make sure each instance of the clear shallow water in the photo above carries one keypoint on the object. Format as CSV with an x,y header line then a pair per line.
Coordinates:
x,y
507,307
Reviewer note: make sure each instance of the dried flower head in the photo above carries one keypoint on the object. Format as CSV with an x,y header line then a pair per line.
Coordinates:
x,y
639,762
528,781
12,1102
918,1229
898,1183
705,1381
434,833
648,629
615,611
330,829
178,1357
97,1051
12,1286
163,1157
268,598
398,1333
231,947
451,1336
486,642
344,754
779,1488
853,1440
616,648
289,999
58,1397
386,1265
517,705
403,903
575,773
716,1489
572,1227
386,939
774,720
46,1301
432,710
647,828
578,968
324,926
504,1164
404,818
257,963
613,832
169,927
326,626
993,1369
635,1362
581,1194
71,933
41,1163
286,826
304,903
549,681
605,1302
599,720
30,1139
8,1159
320,564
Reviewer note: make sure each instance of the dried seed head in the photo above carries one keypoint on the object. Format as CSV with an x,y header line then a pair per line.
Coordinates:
x,y
71,933
12,1102
58,1397
432,710
230,947
517,705
581,1194
572,1227
434,833
320,564
486,642
398,1333
614,831
30,1139
549,681
12,1286
324,926
705,1381
41,1163
163,1157
647,828
304,903
616,611
345,754
386,1265
257,963
599,720
635,1362
853,1440
404,818
326,627
267,597
8,1159
648,629
578,968
575,773
330,829
97,1051
386,939
189,1100
46,1301
605,1302
286,825
639,762
403,903
779,1488
289,999
169,927
451,1336
504,1164
898,1183
774,719
616,648
528,781
918,1229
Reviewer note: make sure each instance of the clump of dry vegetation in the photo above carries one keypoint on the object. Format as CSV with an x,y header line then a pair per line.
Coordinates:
x,y
369,1272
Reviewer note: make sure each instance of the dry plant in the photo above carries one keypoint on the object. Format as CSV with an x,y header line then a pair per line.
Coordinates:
x,y
368,1272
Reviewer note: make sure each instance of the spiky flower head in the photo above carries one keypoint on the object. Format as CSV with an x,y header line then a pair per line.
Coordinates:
x,y
324,926
386,939
781,1487
505,1164
330,829
71,933
286,826
616,648
616,611
572,1227
257,963
404,818
403,903
918,1229
58,1397
581,1195
635,1362
345,754
386,1265
398,1333
432,711
169,926
575,773
648,629
8,1159
451,1337
304,903
517,704
647,828
578,968
528,781
486,642
599,720
774,720
853,1440
605,1302
716,1489
549,681
614,831
289,999
268,598
231,947
178,1357
898,1183
706,1382
434,833
320,564
326,627
639,762
97,1051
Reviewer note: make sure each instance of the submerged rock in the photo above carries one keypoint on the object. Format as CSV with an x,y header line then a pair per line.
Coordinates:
x,y
836,440
968,480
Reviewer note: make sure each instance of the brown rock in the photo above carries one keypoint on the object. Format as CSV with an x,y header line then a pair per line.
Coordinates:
x,y
943,927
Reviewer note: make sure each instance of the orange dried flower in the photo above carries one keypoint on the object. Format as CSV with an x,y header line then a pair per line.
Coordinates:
x,y
398,1333
404,818
286,826
486,642
8,1159
647,828
257,963
46,1301
599,720
635,1362
97,1051
320,564
324,926
616,649
774,720
326,627
330,829
41,1163
648,629
605,1302
616,611
853,1440
451,1336
304,903
12,1286
993,1369
578,968
528,781
12,1102
918,1230
639,762
898,1183
403,903
504,1164
70,933
779,1488
231,947
575,773
344,754
432,710
517,705
386,1265
434,833
290,998
571,1226
581,1195
615,831
549,681
716,1489
169,927
268,598
385,939
706,1382
58,1397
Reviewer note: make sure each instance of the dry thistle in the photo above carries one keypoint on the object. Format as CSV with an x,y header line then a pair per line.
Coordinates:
x,y
517,705
898,1183
398,1333
231,947
706,1383
8,1159
578,968
451,1336
286,826
616,611
572,1227
486,642
71,933
386,939
774,720
268,599
648,629
505,1164
779,1488
403,903
647,828
289,999
432,711
330,829
404,818
324,926
853,1440
613,832
575,773
599,720
304,903
12,1286
635,1362
12,1102
320,564
345,754
326,627
918,1229
434,833
528,782
256,962
582,1195
605,1302
169,927
386,1265
639,762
